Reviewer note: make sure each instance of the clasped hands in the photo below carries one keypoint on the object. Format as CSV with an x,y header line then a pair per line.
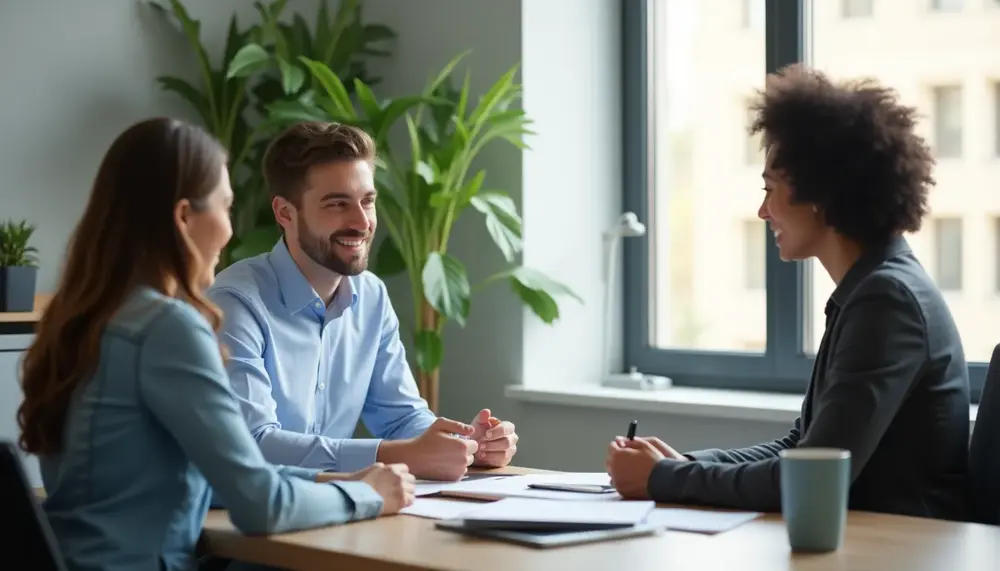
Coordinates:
x,y
447,448
630,462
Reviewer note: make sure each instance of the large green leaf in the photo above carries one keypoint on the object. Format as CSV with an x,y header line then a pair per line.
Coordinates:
x,y
446,286
190,94
287,112
538,292
331,83
429,349
292,77
502,221
536,280
368,102
388,260
251,59
541,303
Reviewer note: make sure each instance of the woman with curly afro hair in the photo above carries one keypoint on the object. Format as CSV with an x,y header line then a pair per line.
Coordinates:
x,y
846,176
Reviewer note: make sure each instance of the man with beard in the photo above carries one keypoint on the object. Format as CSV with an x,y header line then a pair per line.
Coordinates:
x,y
312,337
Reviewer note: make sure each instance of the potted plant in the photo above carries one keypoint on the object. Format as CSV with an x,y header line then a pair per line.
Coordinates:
x,y
423,191
18,267
260,65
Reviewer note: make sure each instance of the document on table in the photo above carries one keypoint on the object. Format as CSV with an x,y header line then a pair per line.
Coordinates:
x,y
434,508
431,487
517,487
565,514
698,521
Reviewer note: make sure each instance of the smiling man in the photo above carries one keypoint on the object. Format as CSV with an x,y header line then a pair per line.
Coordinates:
x,y
313,339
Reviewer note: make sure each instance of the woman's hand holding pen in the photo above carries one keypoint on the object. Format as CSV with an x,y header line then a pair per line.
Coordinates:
x,y
631,460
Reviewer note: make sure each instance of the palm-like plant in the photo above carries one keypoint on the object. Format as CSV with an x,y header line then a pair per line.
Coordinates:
x,y
422,192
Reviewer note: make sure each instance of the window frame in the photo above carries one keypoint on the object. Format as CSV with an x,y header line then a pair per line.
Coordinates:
x,y
784,366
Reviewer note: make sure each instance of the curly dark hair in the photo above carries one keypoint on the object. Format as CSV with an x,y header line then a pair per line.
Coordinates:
x,y
850,149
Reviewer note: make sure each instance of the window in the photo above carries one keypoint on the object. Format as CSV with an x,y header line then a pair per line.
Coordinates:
x,y
856,8
693,308
754,152
947,120
948,253
946,5
996,117
754,254
996,255
753,14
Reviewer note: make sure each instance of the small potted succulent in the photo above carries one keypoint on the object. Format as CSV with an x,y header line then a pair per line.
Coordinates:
x,y
18,267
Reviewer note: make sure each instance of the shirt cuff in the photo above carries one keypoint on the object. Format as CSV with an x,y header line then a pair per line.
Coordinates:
x,y
367,502
708,455
355,454
662,485
300,472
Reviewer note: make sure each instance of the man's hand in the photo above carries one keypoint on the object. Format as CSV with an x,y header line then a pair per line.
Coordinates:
x,y
497,440
394,483
629,463
440,453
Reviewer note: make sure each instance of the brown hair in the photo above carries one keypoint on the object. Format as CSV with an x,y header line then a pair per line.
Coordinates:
x,y
127,237
304,145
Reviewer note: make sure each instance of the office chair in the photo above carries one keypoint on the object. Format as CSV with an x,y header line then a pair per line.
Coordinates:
x,y
984,450
30,539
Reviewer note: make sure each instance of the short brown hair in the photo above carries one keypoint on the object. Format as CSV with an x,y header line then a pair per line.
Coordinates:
x,y
303,145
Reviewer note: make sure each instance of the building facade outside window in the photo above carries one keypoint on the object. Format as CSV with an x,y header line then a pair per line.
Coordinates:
x,y
689,311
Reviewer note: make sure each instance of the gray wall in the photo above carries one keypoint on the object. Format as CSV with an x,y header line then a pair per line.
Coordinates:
x,y
69,88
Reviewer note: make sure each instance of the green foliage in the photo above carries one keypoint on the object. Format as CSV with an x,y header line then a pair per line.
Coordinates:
x,y
422,192
261,66
15,248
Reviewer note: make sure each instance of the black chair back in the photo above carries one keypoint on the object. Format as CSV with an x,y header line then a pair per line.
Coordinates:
x,y
28,538
984,450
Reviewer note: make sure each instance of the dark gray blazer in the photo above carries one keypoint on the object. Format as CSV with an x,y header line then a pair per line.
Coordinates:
x,y
890,384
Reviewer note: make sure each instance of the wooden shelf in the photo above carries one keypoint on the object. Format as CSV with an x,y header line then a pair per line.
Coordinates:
x,y
22,323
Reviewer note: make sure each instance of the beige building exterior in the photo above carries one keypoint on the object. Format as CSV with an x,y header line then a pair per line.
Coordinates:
x,y
943,56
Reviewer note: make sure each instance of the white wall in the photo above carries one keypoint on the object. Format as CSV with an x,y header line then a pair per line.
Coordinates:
x,y
65,100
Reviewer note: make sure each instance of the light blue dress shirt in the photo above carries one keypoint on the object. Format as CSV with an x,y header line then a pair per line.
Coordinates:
x,y
305,373
128,491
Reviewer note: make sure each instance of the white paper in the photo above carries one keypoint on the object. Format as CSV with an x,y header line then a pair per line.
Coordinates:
x,y
562,511
431,487
698,521
517,487
435,508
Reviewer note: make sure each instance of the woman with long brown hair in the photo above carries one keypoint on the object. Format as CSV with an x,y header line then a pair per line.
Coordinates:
x,y
126,400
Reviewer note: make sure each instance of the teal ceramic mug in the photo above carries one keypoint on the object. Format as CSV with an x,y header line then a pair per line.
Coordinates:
x,y
814,489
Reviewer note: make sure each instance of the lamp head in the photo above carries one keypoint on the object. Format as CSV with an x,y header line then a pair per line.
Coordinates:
x,y
629,225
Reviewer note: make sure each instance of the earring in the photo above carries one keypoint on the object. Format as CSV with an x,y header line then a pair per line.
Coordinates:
x,y
815,209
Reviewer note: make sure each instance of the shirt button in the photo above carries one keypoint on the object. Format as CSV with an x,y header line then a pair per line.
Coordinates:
x,y
319,305
322,386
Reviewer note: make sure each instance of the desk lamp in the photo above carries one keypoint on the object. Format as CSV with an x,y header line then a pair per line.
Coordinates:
x,y
627,226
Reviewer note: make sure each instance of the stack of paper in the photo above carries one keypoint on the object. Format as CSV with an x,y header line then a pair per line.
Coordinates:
x,y
573,510
698,521
525,513
517,487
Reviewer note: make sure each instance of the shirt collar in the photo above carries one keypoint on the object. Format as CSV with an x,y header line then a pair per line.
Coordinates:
x,y
869,260
297,294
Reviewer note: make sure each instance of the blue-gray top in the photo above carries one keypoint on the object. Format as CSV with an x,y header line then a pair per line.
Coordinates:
x,y
146,436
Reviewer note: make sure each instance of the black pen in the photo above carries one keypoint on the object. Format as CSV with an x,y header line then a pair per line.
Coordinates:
x,y
631,429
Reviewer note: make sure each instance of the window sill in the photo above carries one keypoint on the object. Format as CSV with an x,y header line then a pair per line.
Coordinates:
x,y
682,401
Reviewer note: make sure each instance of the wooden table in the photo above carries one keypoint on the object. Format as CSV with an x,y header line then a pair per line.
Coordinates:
x,y
23,323
875,542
